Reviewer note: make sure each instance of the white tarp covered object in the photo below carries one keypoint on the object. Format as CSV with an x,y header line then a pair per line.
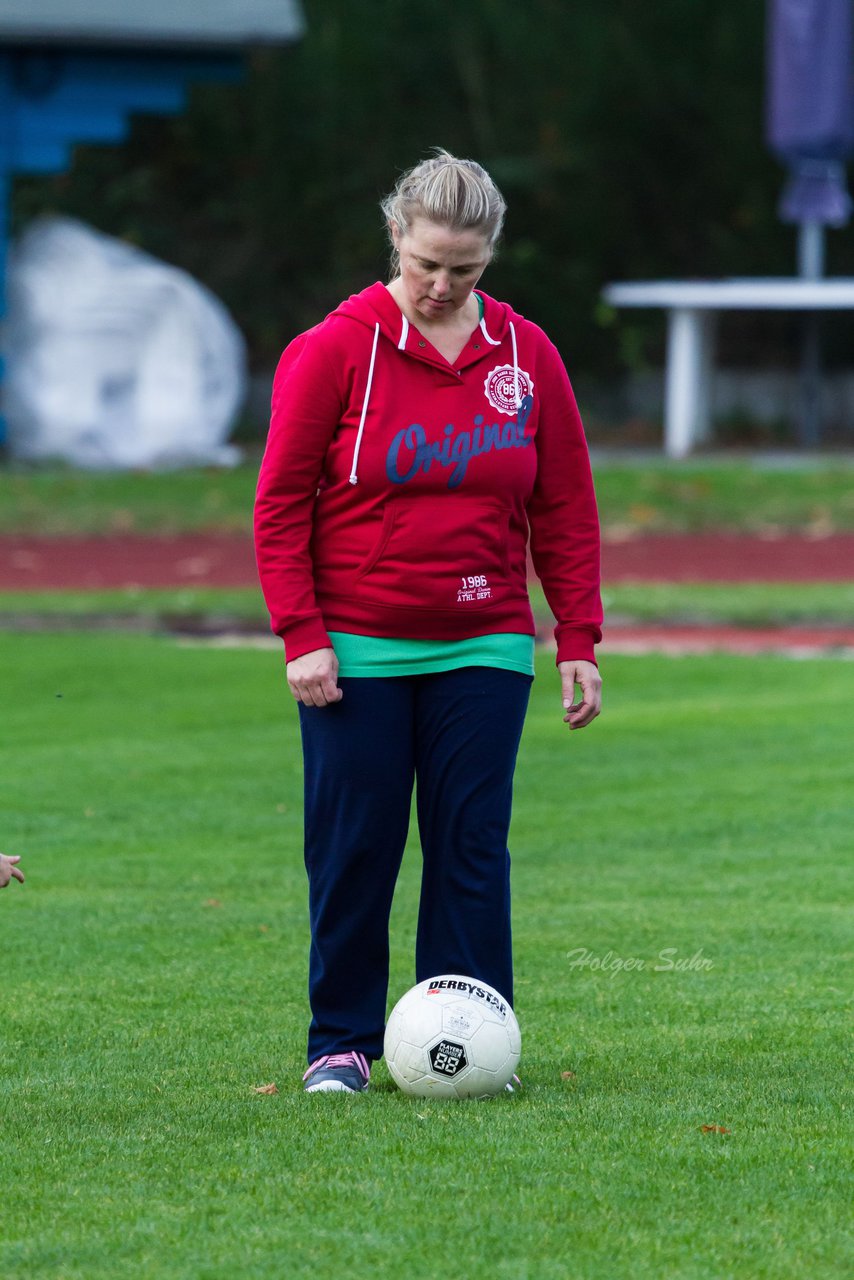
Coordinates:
x,y
114,359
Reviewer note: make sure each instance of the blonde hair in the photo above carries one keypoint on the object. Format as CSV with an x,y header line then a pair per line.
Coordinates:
x,y
458,194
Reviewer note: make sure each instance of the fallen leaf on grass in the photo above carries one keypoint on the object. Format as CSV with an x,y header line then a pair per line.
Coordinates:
x,y
713,1128
211,902
122,520
265,1088
642,513
567,1075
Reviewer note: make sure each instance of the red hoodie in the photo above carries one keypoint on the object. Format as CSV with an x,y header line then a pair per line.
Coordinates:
x,y
397,491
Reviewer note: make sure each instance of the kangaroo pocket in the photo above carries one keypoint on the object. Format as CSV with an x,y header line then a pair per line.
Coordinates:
x,y
439,553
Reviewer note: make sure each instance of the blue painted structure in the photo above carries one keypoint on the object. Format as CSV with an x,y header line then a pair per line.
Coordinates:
x,y
80,79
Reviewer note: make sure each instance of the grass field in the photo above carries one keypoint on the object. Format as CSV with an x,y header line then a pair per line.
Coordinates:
x,y
682,923
743,604
656,496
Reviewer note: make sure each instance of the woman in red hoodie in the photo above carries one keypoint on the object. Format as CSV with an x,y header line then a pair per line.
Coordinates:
x,y
419,436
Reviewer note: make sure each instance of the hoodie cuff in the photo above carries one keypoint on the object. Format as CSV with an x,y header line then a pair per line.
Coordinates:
x,y
304,637
576,644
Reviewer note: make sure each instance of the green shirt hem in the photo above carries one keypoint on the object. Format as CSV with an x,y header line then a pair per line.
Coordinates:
x,y
366,656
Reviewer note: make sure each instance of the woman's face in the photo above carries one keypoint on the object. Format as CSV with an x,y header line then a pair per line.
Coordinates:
x,y
439,267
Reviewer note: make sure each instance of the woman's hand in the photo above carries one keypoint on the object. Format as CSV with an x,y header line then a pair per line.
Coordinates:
x,y
586,676
8,869
313,678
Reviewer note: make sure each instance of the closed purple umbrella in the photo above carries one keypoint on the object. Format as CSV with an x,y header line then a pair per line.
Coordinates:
x,y
810,105
810,126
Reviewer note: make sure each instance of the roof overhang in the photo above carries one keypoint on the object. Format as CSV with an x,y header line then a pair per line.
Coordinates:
x,y
178,24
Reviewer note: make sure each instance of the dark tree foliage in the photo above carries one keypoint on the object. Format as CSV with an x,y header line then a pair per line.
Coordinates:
x,y
627,137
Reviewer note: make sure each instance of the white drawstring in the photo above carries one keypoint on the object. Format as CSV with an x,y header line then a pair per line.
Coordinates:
x,y
354,479
493,342
404,334
515,367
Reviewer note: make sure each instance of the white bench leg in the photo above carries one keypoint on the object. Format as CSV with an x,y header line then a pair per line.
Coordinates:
x,y
690,362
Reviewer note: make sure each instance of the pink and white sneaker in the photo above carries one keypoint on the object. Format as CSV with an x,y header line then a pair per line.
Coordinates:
x,y
338,1073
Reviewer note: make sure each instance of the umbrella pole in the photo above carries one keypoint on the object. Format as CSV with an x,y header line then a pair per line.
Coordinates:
x,y
810,267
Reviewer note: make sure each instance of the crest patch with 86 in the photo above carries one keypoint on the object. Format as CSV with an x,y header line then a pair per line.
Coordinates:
x,y
499,387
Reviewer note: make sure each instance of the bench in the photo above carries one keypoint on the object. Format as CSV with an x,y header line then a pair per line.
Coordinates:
x,y
692,308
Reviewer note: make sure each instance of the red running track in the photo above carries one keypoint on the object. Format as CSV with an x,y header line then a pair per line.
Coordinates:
x,y
216,560
201,560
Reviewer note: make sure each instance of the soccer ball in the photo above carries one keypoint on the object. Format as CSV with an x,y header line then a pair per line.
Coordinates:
x,y
452,1037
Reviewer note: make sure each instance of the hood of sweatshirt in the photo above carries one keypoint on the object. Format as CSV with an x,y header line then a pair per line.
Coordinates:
x,y
375,306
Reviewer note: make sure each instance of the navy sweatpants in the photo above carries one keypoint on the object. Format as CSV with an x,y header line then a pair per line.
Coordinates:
x,y
457,733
